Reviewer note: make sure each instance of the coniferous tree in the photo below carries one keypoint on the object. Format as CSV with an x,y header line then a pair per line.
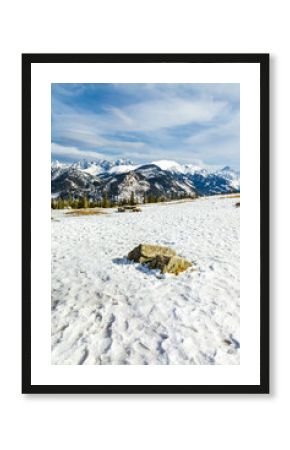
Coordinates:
x,y
81,202
75,203
60,203
132,199
151,198
105,202
70,201
85,202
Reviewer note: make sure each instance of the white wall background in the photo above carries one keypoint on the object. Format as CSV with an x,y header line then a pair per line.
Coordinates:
x,y
61,422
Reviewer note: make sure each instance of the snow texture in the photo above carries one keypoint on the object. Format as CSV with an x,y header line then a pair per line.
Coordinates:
x,y
107,310
174,167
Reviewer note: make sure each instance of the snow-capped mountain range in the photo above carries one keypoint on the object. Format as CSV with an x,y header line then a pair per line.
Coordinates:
x,y
117,179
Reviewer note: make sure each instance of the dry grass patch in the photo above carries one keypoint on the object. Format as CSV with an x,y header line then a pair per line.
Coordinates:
x,y
231,196
85,212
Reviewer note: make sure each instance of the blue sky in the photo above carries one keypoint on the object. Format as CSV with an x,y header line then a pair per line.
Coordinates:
x,y
187,123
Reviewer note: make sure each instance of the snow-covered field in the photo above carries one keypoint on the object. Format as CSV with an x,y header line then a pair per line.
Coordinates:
x,y
106,310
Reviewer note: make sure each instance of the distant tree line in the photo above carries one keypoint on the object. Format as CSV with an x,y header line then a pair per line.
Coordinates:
x,y
82,202
107,202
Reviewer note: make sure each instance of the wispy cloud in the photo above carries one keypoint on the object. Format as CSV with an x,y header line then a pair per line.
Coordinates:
x,y
224,130
168,113
185,122
72,153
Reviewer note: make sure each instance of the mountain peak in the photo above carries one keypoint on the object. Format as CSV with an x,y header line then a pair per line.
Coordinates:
x,y
123,162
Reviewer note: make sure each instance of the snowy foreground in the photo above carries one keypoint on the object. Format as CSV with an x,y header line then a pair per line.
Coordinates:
x,y
107,310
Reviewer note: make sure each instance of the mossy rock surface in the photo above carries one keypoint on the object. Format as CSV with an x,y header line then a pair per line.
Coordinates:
x,y
170,264
145,252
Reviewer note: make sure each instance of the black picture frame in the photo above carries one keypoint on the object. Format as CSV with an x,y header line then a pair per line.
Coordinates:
x,y
263,61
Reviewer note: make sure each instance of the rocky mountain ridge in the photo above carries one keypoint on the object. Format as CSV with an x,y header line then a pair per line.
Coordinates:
x,y
117,180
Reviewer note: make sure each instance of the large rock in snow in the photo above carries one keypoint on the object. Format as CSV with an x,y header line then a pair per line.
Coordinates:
x,y
159,257
144,253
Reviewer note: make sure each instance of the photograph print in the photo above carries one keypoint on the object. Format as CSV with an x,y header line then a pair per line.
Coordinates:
x,y
145,224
